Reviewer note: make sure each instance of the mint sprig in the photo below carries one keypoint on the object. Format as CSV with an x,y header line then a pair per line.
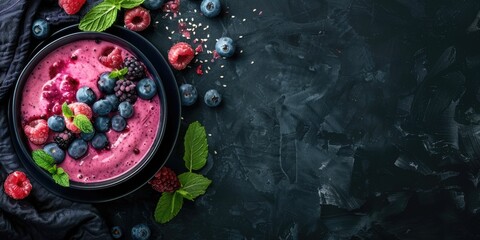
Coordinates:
x,y
83,123
67,112
45,161
103,15
192,184
118,73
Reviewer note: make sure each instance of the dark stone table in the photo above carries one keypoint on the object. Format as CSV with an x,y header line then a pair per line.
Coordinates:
x,y
341,119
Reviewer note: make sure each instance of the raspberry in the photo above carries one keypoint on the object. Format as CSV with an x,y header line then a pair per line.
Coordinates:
x,y
136,70
63,139
17,185
125,90
165,180
111,57
180,55
77,108
137,19
37,131
71,6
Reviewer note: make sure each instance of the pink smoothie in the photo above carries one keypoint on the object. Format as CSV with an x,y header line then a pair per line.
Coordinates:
x,y
56,79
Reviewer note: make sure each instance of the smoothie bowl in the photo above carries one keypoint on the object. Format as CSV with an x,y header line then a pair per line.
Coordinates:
x,y
95,105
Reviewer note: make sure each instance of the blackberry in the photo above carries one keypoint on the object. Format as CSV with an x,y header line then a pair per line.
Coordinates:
x,y
136,70
125,91
165,180
64,139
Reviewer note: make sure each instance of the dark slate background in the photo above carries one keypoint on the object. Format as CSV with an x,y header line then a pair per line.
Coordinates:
x,y
342,119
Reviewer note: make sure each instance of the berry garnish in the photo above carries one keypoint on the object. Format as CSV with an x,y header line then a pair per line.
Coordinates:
x,y
188,94
71,6
86,95
99,141
146,89
113,100
118,123
210,8
102,107
140,232
137,19
56,123
153,4
102,124
180,55
63,139
111,57
225,47
78,148
212,98
40,29
37,131
125,90
165,180
17,185
125,109
81,108
105,83
87,136
135,69
55,151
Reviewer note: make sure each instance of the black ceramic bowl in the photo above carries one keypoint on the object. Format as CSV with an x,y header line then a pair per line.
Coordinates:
x,y
24,150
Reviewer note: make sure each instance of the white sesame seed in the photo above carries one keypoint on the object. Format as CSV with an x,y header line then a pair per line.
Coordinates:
x,y
200,24
192,19
233,16
209,134
205,45
254,10
252,62
170,38
201,61
194,10
221,76
206,71
224,85
172,32
240,36
170,17
181,117
156,22
179,13
193,32
215,152
244,20
166,28
208,68
208,35
222,66
241,51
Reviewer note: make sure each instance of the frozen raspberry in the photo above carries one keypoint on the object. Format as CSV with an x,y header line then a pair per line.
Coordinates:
x,y
165,180
81,108
71,6
180,55
111,57
37,131
137,19
17,185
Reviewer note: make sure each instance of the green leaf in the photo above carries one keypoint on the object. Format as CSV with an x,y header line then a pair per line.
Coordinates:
x,y
118,73
196,147
100,17
67,112
193,185
168,207
83,123
130,3
43,160
61,177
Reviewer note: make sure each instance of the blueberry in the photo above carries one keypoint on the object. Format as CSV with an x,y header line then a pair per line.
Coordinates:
x,y
210,8
153,4
99,141
146,88
101,124
55,151
188,94
77,148
40,29
118,123
125,109
116,232
102,107
212,98
113,99
56,123
86,95
140,232
87,136
225,47
106,84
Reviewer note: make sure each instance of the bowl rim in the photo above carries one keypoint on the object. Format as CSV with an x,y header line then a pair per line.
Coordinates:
x,y
28,162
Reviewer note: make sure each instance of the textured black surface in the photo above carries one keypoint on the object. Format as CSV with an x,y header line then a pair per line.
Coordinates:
x,y
342,119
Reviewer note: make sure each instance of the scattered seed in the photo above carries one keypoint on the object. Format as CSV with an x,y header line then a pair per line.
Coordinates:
x,y
224,85
221,76
233,16
252,62
241,51
254,10
209,134
244,20
240,36
215,152
222,66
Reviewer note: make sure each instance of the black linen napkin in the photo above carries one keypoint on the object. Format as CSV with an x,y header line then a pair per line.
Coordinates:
x,y
41,215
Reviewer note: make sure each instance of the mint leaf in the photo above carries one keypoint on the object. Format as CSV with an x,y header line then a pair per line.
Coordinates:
x,y
193,185
196,147
83,123
100,17
61,177
67,112
130,3
43,160
118,73
168,207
